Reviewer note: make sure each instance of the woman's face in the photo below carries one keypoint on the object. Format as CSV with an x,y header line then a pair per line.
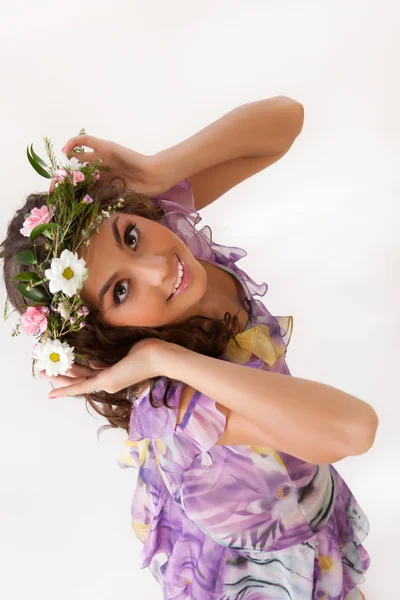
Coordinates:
x,y
132,266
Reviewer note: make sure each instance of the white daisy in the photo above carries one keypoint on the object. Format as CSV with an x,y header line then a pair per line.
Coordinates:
x,y
67,273
54,356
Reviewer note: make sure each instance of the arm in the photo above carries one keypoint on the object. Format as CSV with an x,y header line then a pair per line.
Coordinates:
x,y
313,421
243,142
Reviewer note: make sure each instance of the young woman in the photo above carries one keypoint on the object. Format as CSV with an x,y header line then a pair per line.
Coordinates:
x,y
236,494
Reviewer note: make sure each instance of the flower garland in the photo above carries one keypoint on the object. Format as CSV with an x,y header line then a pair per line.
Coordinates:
x,y
56,308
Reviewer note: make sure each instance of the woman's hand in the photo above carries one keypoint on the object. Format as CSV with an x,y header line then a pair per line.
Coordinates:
x,y
145,360
140,171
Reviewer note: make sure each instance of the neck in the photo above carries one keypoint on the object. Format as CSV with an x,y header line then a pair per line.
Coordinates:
x,y
220,296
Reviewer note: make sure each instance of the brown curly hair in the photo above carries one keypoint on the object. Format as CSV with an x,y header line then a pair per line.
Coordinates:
x,y
109,344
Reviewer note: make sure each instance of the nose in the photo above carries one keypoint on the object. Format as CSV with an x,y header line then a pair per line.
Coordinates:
x,y
155,271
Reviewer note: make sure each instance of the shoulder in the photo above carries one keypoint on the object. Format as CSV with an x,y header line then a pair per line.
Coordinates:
x,y
238,430
186,398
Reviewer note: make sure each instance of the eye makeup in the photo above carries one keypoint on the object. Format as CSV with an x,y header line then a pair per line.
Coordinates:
x,y
128,230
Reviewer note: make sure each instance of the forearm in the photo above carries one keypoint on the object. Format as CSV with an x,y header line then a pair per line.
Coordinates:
x,y
259,128
299,416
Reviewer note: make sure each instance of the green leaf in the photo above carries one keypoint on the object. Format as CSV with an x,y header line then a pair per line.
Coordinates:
x,y
6,305
38,159
25,257
32,294
27,276
44,229
37,163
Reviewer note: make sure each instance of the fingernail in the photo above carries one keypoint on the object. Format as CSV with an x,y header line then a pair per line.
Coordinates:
x,y
63,149
51,396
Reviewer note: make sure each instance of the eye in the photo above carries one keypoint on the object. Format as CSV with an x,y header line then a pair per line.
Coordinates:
x,y
128,235
124,289
121,290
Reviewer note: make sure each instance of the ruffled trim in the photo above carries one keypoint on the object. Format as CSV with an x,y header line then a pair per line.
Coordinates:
x,y
342,560
185,562
181,193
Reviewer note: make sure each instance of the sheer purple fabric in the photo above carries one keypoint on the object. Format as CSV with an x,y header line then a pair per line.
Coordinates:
x,y
244,522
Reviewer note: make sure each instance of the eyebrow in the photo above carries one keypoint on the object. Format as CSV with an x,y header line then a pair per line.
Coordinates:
x,y
109,281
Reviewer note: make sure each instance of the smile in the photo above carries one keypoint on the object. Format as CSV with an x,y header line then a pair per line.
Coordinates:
x,y
183,278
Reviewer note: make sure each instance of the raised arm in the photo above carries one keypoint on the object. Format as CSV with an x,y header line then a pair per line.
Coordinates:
x,y
313,421
241,143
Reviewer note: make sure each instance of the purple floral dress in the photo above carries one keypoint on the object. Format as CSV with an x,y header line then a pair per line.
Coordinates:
x,y
236,522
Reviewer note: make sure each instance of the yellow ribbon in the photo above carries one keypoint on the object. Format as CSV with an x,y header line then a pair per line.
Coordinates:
x,y
257,340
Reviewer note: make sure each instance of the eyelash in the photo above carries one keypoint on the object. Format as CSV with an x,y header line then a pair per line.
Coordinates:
x,y
127,232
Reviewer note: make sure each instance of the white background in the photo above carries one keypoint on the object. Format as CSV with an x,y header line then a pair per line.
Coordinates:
x,y
320,227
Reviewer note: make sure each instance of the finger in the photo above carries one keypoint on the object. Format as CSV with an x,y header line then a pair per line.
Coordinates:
x,y
87,386
75,371
54,378
80,140
80,371
84,156
63,380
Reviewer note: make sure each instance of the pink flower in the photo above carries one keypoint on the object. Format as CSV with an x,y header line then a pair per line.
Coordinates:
x,y
87,199
78,176
38,216
83,311
60,175
97,175
33,319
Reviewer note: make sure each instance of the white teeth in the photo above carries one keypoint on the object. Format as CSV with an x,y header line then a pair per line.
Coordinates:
x,y
180,275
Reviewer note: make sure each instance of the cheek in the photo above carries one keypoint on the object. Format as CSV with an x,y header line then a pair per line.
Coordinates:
x,y
148,309
144,312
